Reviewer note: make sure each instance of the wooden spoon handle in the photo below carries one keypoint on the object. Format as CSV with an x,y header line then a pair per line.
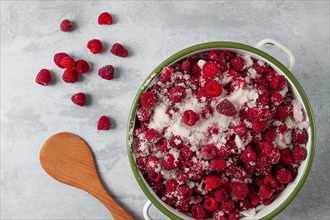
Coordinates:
x,y
115,209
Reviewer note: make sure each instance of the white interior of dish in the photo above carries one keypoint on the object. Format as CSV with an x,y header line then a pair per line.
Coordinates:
x,y
262,210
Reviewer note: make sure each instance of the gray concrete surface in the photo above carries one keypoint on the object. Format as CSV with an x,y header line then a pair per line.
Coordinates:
x,y
152,31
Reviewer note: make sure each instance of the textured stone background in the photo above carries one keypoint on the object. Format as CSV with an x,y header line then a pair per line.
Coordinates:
x,y
152,31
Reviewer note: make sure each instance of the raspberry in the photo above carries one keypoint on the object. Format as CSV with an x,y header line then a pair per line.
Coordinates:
x,y
250,167
275,156
202,80
94,46
266,147
104,18
278,83
184,193
286,156
276,98
177,94
299,153
171,185
106,72
186,153
140,130
213,56
119,50
217,164
158,187
269,135
259,126
265,192
271,181
58,59
227,205
219,215
198,211
190,117
154,176
148,99
221,193
248,155
103,123
183,206
234,215
152,163
210,69
195,70
280,188
203,96
224,152
255,114
282,113
240,130
256,138
226,108
237,63
228,55
255,200
294,173
68,62
210,204
43,77
239,190
267,201
282,128
166,75
66,25
271,75
81,66
283,176
169,198
213,88
186,66
152,135
176,141
182,177
70,76
141,146
299,136
260,68
262,165
143,114
223,66
262,100
162,145
79,99
169,162
141,162
238,82
211,182
209,151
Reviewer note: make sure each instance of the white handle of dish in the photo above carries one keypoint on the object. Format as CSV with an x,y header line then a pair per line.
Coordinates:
x,y
281,47
146,209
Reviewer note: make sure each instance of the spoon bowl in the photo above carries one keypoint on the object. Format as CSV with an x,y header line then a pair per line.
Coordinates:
x,y
68,159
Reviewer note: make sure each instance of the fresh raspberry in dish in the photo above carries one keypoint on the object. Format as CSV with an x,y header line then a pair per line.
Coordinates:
x,y
218,134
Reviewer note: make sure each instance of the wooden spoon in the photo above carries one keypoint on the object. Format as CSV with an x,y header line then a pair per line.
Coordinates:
x,y
67,158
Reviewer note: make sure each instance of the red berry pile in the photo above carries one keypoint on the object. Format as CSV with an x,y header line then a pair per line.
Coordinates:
x,y
219,133
73,68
